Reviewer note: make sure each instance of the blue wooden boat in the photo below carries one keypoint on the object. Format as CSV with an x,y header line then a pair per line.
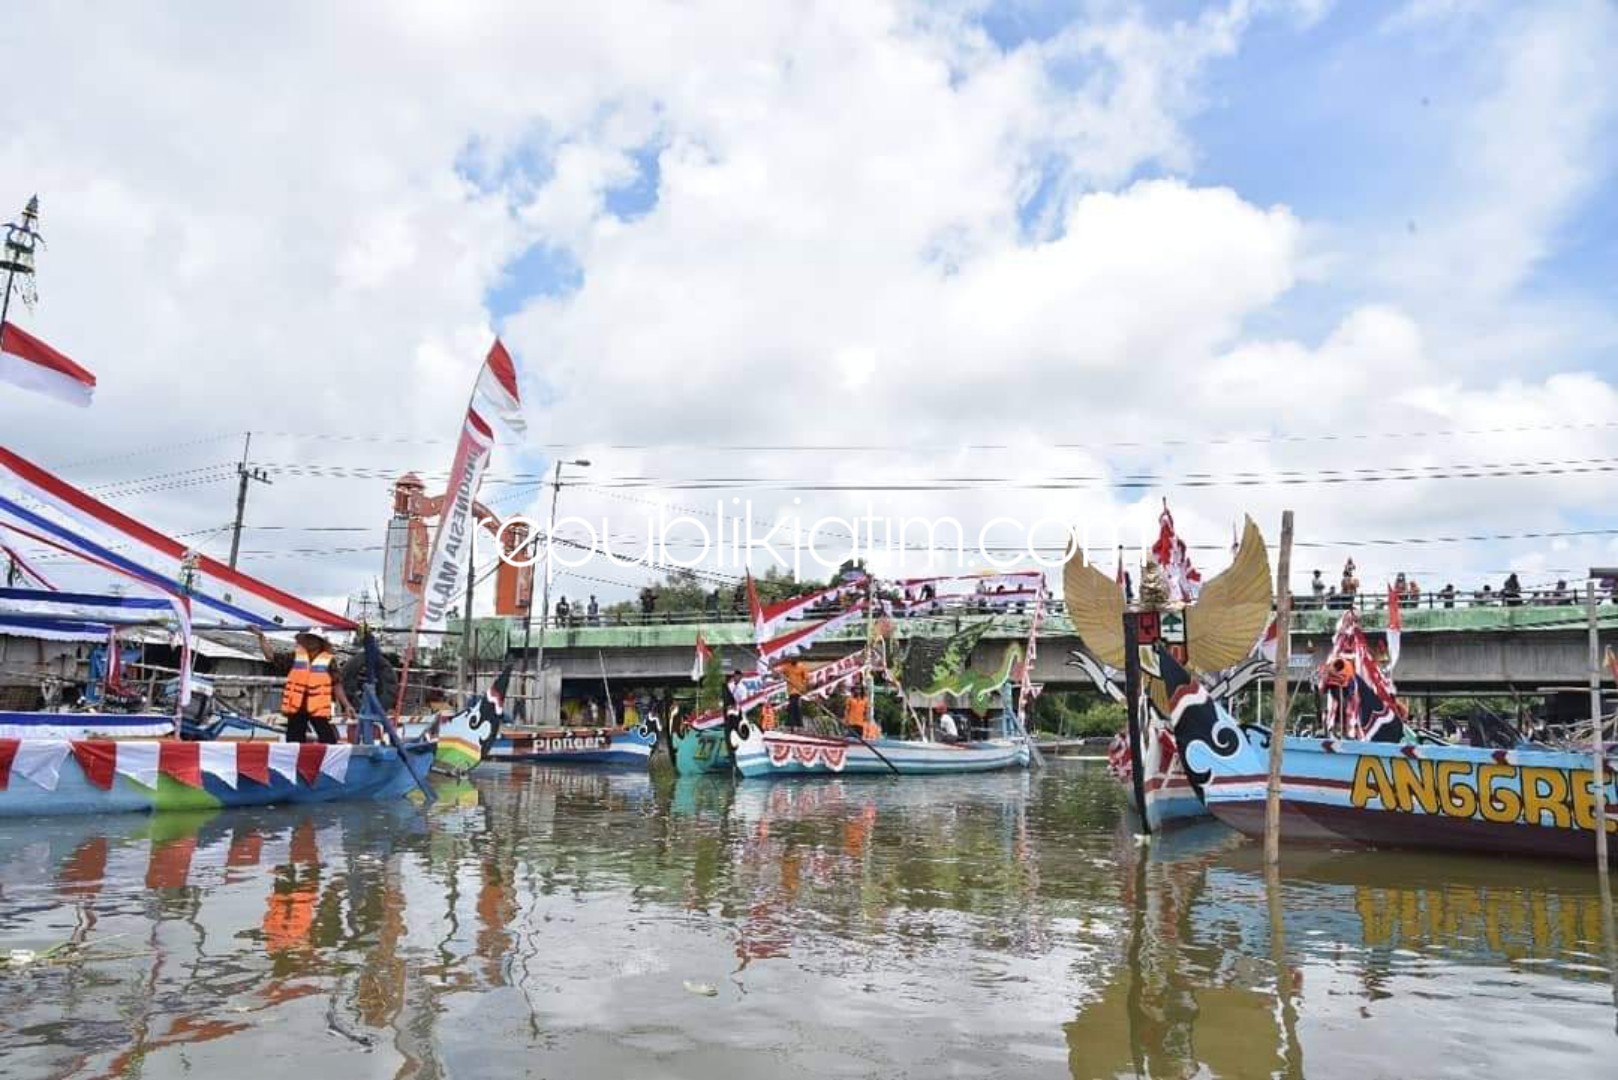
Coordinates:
x,y
1461,798
702,746
575,746
98,776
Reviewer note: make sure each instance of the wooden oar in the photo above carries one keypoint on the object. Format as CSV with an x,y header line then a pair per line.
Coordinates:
x,y
370,703
850,733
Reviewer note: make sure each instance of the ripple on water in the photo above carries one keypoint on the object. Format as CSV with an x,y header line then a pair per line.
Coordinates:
x,y
996,926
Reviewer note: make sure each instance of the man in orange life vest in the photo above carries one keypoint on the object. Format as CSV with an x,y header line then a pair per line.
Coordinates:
x,y
311,685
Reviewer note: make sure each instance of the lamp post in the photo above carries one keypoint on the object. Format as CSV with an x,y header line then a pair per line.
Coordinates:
x,y
1598,747
545,592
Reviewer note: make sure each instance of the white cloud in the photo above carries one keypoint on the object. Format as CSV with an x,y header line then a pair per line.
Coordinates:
x,y
291,224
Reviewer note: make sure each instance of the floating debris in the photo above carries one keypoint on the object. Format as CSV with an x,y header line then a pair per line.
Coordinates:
x,y
705,989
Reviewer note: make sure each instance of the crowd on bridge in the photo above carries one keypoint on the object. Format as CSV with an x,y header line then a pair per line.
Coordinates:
x,y
1345,592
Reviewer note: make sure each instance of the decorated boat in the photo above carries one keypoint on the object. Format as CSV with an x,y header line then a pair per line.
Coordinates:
x,y
1382,785
1220,629
791,753
97,776
576,745
700,745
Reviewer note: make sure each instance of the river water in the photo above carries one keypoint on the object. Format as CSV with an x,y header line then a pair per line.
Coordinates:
x,y
549,923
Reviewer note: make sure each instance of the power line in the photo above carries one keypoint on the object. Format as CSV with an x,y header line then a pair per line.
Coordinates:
x,y
766,447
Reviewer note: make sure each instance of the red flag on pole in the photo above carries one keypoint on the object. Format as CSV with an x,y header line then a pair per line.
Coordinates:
x,y
700,664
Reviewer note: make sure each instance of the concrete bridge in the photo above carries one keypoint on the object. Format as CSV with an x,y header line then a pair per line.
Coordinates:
x,y
1537,649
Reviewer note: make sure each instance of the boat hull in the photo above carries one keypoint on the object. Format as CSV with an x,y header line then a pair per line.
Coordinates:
x,y
55,777
575,746
703,748
1171,801
785,753
1523,801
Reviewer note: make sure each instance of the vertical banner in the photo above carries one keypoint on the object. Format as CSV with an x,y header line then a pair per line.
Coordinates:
x,y
446,566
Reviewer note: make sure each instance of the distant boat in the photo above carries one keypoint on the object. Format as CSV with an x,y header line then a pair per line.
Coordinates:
x,y
575,746
789,753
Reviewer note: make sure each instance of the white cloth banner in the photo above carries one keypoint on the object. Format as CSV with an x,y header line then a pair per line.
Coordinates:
x,y
335,763
138,761
284,760
219,762
446,566
40,761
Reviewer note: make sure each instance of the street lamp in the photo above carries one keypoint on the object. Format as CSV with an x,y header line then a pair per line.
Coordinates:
x,y
545,592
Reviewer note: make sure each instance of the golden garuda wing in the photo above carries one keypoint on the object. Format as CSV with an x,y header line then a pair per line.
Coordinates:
x,y
1095,606
1232,610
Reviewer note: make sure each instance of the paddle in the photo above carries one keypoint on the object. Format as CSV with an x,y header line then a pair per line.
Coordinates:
x,y
851,733
369,704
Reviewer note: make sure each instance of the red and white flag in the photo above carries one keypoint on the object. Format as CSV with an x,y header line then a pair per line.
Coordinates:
x,y
1183,579
1396,625
1272,638
700,664
28,362
497,388
446,566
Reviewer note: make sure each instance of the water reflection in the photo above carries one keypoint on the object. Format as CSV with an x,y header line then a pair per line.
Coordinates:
x,y
550,920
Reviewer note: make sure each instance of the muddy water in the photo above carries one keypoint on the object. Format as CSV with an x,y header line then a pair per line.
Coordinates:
x,y
550,923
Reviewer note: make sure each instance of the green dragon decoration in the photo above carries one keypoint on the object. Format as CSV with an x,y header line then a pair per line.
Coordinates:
x,y
938,667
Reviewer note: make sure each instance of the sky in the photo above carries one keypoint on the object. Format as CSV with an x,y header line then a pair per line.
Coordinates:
x,y
1051,262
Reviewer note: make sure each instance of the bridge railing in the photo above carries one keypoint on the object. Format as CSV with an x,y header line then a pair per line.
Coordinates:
x,y
1363,602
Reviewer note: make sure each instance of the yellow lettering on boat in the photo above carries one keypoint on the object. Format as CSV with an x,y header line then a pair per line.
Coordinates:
x,y
1544,790
1371,781
1413,785
1455,784
1583,783
1499,804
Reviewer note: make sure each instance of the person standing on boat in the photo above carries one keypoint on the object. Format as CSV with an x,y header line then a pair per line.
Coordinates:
x,y
857,718
311,687
796,675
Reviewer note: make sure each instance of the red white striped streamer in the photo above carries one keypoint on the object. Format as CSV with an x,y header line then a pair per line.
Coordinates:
x,y
143,761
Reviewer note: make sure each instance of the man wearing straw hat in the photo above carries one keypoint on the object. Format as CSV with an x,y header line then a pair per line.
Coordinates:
x,y
311,686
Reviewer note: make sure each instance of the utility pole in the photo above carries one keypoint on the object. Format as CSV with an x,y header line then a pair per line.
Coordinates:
x,y
545,591
243,476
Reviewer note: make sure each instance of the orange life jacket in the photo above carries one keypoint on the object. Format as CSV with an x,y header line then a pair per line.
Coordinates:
x,y
308,685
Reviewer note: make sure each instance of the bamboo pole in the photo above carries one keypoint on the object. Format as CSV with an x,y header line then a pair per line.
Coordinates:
x,y
1278,725
1598,748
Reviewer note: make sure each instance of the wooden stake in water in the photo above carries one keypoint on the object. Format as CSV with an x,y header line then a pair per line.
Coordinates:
x,y
1598,749
1278,726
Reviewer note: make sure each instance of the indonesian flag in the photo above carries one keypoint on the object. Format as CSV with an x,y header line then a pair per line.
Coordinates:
x,y
497,388
755,610
28,362
1267,644
1396,625
700,664
446,566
